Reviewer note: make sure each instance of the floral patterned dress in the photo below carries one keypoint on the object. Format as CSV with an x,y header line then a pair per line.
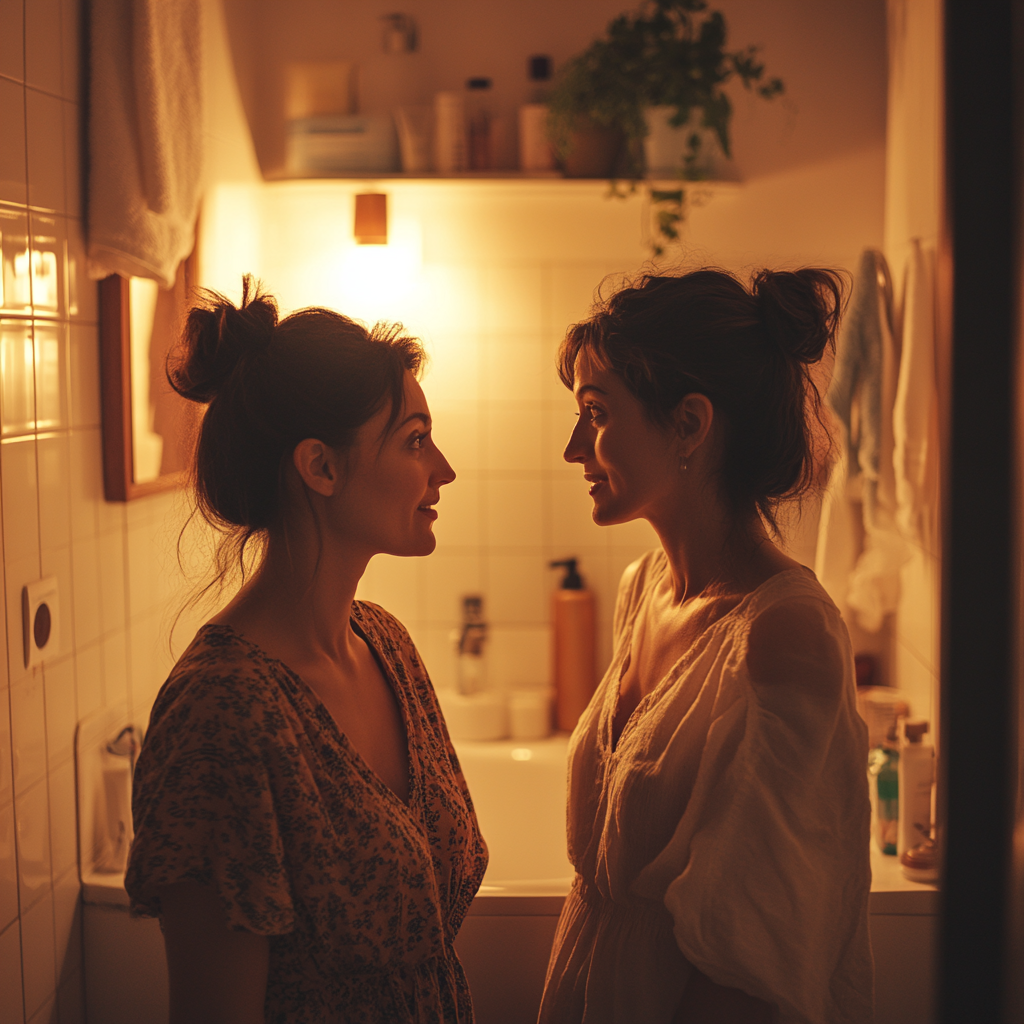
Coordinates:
x,y
246,784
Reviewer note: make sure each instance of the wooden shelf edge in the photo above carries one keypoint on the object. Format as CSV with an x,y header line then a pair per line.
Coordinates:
x,y
497,177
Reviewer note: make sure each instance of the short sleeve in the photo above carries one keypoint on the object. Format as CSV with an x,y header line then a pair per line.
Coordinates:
x,y
204,805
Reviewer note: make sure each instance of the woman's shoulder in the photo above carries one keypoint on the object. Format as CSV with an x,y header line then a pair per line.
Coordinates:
x,y
796,633
640,573
221,680
380,620
795,592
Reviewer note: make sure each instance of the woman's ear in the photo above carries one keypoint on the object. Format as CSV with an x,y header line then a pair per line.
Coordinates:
x,y
692,419
318,466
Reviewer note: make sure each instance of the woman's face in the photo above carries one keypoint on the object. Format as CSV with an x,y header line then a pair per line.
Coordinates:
x,y
392,482
631,463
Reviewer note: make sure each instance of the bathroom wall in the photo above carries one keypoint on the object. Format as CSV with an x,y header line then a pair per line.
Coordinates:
x,y
490,276
114,563
913,209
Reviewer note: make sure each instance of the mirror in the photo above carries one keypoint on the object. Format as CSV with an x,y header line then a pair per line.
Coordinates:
x,y
147,427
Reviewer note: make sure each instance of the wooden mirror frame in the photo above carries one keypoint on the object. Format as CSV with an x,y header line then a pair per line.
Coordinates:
x,y
119,482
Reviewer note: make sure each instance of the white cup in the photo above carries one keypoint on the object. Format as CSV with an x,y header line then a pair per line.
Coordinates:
x,y
529,713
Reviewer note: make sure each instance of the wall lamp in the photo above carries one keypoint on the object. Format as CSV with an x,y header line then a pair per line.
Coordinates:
x,y
371,220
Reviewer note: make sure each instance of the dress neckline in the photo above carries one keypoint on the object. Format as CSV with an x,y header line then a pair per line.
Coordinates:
x,y
612,741
321,710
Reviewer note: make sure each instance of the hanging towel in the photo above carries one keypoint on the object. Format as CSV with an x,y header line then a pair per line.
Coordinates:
x,y
916,411
145,136
859,555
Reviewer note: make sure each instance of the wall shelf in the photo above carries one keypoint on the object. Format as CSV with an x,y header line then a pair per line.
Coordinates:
x,y
494,177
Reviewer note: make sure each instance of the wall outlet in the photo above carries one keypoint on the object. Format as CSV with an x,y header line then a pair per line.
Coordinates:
x,y
40,612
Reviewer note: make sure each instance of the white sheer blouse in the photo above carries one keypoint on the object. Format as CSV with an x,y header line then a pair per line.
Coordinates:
x,y
727,829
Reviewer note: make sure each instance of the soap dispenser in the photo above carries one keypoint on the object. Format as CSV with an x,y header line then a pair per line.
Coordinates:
x,y
575,661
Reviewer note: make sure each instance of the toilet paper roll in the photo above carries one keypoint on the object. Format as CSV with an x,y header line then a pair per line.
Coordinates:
x,y
474,716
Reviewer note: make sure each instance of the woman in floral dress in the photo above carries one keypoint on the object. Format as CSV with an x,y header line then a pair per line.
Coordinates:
x,y
303,830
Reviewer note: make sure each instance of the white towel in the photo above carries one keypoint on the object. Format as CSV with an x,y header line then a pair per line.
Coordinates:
x,y
915,414
145,136
859,564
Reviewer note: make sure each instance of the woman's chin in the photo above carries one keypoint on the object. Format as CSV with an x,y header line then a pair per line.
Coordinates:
x,y
605,516
609,515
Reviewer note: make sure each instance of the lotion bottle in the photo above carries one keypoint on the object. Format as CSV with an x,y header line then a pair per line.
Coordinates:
x,y
916,776
535,152
573,622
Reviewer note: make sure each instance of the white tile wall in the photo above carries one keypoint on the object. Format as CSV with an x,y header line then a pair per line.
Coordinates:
x,y
54,519
493,277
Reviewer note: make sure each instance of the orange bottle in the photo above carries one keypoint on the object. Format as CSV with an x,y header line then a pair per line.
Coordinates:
x,y
575,660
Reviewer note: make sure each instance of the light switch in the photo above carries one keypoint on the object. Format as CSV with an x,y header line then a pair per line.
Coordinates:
x,y
40,611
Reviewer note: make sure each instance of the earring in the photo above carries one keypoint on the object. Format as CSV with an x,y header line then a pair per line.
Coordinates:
x,y
682,464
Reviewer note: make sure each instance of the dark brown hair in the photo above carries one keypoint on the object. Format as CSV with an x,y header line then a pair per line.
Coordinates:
x,y
748,350
267,385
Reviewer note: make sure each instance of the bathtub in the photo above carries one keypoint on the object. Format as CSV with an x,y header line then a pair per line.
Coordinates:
x,y
519,792
518,789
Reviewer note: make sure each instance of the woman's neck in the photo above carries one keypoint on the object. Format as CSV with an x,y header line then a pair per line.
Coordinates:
x,y
299,600
716,551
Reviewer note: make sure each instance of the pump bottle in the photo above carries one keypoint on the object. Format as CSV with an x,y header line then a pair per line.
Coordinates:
x,y
916,775
575,662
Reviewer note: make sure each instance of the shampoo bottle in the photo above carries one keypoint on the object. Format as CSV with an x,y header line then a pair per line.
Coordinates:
x,y
916,775
575,661
535,152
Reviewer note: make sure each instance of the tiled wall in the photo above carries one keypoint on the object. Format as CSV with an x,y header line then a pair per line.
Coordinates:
x,y
106,557
488,274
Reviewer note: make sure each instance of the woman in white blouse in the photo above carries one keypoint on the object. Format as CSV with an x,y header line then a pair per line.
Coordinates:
x,y
718,808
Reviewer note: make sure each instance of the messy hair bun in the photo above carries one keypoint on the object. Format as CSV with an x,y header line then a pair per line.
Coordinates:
x,y
268,385
219,337
749,350
799,309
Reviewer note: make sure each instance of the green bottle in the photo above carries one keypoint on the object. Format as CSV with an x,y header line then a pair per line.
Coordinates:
x,y
883,772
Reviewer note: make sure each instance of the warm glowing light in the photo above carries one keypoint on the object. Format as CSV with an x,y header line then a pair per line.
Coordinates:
x,y
17,378
20,296
44,279
49,404
522,754
371,219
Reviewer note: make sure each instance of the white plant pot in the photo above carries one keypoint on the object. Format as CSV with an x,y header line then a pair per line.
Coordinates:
x,y
665,146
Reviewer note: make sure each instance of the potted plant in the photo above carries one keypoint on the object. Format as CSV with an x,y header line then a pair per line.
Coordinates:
x,y
663,66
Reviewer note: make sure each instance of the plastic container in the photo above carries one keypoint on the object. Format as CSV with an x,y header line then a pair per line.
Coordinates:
x,y
415,126
352,142
529,713
881,707
450,141
535,152
921,863
480,124
916,777
883,774
573,620
474,716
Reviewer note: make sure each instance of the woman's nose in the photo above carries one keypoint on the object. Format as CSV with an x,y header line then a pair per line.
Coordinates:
x,y
580,445
443,472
